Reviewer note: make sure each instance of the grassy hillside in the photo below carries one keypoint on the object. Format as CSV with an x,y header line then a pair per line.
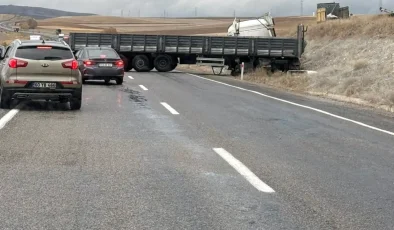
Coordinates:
x,y
36,12
354,60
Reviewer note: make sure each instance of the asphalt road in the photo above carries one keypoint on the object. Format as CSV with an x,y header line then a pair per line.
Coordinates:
x,y
151,154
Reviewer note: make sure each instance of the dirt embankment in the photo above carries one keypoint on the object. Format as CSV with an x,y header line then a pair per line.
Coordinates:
x,y
354,60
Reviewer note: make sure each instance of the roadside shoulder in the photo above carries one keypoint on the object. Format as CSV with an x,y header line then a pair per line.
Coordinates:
x,y
371,116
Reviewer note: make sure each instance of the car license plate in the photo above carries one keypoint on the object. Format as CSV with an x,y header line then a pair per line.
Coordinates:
x,y
105,64
44,85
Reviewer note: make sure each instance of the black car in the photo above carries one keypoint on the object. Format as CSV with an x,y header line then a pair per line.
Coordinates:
x,y
100,63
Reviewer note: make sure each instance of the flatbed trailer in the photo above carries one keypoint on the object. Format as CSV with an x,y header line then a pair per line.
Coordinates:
x,y
163,52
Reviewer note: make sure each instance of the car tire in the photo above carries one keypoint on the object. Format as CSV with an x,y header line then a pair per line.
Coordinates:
x,y
163,63
75,103
141,63
83,81
5,100
119,81
107,81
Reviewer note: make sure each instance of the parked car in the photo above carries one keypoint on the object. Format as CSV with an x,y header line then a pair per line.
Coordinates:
x,y
39,70
100,63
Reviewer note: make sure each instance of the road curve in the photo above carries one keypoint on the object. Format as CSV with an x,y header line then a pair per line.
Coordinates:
x,y
176,151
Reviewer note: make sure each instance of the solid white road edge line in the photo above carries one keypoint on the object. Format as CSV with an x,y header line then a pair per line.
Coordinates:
x,y
8,116
143,87
130,77
167,106
244,171
299,105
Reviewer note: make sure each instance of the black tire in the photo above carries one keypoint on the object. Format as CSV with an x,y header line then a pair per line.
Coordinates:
x,y
119,81
163,63
141,63
5,100
106,81
173,66
76,100
75,103
83,81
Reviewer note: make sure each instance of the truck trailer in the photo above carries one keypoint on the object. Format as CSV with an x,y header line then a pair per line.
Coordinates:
x,y
143,53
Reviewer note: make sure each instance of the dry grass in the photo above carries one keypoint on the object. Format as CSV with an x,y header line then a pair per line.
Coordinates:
x,y
354,59
298,83
8,37
376,26
110,30
285,26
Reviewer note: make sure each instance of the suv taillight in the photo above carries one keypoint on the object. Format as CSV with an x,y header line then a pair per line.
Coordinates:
x,y
119,64
16,63
73,64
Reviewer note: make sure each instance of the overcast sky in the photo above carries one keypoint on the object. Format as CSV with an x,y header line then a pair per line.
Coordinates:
x,y
182,8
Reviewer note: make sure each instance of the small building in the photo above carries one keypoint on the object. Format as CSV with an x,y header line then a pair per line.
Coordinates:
x,y
331,7
335,9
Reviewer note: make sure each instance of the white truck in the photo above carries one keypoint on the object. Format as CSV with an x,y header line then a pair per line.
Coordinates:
x,y
262,27
259,27
35,37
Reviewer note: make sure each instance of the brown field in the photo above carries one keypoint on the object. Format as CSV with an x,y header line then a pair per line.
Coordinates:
x,y
285,26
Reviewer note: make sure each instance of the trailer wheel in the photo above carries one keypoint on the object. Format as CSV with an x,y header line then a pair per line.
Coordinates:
x,y
141,63
163,63
173,66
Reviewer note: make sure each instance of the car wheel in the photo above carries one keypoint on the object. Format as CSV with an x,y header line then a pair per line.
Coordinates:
x,y
107,81
83,81
5,100
75,103
119,81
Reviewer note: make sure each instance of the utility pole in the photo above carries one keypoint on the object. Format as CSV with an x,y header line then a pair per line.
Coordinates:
x,y
302,7
380,5
234,13
129,13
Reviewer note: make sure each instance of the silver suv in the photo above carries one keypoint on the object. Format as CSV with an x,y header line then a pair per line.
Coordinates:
x,y
40,70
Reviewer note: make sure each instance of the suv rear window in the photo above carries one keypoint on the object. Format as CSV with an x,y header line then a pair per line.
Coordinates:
x,y
105,53
44,53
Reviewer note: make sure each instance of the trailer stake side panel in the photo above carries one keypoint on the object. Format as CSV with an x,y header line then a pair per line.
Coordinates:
x,y
276,48
138,43
190,45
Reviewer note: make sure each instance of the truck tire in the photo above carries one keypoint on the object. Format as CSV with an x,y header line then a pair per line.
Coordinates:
x,y
141,63
173,66
163,63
